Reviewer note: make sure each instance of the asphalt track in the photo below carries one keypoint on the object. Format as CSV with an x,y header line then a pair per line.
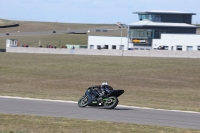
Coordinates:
x,y
54,108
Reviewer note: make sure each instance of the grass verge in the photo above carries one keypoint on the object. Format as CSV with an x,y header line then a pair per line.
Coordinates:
x,y
35,124
54,39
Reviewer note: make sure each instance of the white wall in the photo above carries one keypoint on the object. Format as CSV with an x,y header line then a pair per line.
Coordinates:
x,y
101,40
174,40
141,53
170,40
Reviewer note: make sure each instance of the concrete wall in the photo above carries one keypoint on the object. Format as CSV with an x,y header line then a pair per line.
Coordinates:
x,y
143,53
175,40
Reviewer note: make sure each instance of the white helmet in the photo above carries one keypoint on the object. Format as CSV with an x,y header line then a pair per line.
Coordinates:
x,y
104,83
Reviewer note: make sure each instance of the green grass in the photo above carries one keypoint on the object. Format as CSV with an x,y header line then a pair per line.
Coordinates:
x,y
168,83
33,124
57,39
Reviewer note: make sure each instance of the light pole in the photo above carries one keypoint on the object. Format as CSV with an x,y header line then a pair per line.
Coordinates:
x,y
59,44
39,43
121,44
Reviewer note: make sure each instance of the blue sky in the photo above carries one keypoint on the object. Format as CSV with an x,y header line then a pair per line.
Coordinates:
x,y
91,11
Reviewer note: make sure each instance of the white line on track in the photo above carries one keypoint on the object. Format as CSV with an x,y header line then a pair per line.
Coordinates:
x,y
36,99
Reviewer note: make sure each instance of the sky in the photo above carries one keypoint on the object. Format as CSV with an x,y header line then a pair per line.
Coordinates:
x,y
91,11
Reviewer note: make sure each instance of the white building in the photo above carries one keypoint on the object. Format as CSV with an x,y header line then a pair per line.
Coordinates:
x,y
182,42
95,42
11,43
168,30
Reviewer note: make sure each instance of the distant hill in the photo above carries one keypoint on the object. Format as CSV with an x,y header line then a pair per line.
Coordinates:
x,y
8,23
35,26
60,37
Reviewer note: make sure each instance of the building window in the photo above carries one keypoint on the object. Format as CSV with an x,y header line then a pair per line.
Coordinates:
x,y
157,34
141,33
105,46
91,46
144,17
151,17
179,47
198,48
158,18
189,48
141,17
99,47
149,34
166,47
144,33
121,47
113,46
138,33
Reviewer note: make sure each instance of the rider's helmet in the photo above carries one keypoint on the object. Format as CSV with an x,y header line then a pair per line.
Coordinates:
x,y
104,83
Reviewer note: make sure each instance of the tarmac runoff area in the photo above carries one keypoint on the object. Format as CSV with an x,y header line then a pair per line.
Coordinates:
x,y
122,113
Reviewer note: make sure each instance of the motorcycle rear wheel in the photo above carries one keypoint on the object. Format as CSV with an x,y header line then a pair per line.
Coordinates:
x,y
83,101
111,103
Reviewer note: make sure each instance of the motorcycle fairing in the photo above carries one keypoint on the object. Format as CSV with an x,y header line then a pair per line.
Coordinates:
x,y
116,93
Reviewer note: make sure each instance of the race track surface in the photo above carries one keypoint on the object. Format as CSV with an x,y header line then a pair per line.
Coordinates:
x,y
119,114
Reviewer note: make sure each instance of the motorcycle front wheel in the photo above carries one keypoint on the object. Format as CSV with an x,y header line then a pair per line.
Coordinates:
x,y
82,102
111,102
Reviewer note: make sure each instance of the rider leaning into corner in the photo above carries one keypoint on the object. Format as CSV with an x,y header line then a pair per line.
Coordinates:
x,y
103,89
101,95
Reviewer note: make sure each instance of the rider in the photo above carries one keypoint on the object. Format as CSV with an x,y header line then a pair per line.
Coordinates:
x,y
104,88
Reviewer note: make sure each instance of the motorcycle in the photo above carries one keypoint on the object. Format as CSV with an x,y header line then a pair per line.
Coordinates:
x,y
92,97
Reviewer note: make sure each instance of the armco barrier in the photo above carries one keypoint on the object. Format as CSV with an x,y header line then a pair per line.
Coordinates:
x,y
142,53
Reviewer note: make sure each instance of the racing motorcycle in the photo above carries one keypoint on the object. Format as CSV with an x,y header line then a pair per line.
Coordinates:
x,y
92,97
